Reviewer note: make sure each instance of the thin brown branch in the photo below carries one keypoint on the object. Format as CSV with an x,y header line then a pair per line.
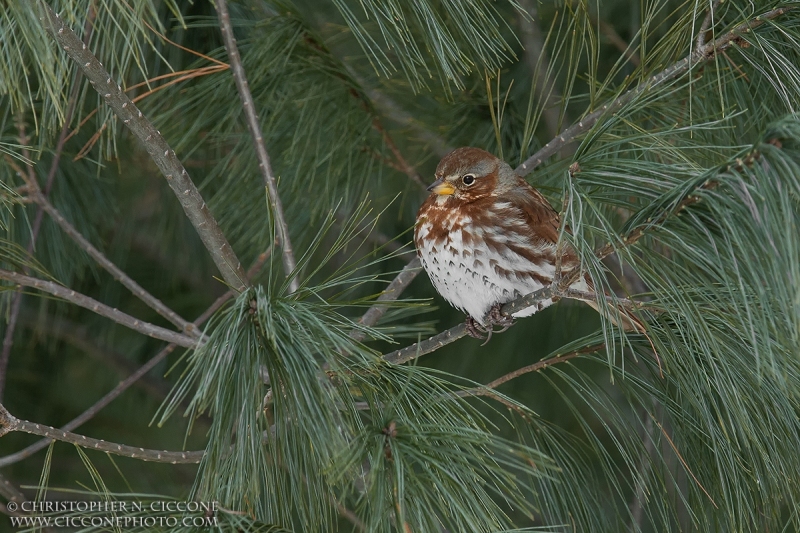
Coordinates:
x,y
289,263
393,111
91,304
488,389
700,55
164,157
9,423
683,462
392,292
352,517
541,365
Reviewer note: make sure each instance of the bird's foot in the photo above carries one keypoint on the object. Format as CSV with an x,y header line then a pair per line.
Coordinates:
x,y
474,328
494,318
497,317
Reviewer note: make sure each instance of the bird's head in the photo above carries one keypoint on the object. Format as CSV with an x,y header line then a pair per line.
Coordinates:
x,y
467,174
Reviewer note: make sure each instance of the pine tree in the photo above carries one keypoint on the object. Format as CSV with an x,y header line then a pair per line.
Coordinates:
x,y
207,264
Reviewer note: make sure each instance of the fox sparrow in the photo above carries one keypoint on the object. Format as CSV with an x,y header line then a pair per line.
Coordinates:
x,y
486,237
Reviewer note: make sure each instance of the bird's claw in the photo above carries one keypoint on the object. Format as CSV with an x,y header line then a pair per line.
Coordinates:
x,y
474,329
497,317
494,318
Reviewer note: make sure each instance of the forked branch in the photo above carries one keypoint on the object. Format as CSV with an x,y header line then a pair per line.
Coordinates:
x,y
145,328
164,157
154,303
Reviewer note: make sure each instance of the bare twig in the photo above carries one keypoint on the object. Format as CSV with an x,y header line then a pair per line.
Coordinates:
x,y
289,263
9,423
707,24
488,389
392,292
700,55
91,304
392,110
352,517
164,157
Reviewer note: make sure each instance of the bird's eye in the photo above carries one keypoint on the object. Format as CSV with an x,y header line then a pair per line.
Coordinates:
x,y
469,179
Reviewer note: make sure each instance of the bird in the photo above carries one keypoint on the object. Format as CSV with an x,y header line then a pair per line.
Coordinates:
x,y
486,237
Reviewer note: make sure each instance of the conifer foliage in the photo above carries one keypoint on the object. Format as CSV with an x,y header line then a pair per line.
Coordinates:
x,y
209,291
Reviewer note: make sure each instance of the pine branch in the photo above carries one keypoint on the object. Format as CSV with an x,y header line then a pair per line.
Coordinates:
x,y
289,263
9,423
700,55
444,338
164,157
91,304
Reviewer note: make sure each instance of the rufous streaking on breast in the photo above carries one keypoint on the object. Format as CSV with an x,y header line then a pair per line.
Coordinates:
x,y
485,237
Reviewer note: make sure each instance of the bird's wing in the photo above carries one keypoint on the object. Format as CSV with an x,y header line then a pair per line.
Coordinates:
x,y
537,211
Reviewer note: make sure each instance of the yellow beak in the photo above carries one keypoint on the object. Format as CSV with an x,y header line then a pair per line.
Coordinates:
x,y
442,188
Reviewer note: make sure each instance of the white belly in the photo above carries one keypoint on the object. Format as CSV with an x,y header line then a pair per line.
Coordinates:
x,y
468,278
